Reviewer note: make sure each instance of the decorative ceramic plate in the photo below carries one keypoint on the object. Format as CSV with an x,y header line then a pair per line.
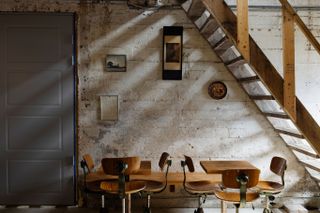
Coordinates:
x,y
217,90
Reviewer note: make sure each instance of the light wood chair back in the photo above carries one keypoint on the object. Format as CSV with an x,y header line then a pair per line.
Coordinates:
x,y
89,162
111,165
231,178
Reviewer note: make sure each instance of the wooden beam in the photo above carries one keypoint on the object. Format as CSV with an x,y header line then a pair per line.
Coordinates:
x,y
289,95
308,126
301,25
242,29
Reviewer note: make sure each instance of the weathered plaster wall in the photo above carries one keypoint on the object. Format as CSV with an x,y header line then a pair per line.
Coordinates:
x,y
156,115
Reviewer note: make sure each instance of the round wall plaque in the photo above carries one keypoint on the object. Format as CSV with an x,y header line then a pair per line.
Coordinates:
x,y
217,90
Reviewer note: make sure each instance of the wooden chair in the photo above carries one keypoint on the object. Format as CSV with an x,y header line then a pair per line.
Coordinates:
x,y
235,184
278,166
153,186
124,187
200,188
92,177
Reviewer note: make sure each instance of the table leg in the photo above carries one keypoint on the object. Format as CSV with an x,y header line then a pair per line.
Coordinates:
x,y
223,207
129,203
123,205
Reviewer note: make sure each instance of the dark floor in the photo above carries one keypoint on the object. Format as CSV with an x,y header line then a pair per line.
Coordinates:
x,y
86,210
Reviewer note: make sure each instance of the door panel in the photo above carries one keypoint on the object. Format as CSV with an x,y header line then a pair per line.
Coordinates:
x,y
36,109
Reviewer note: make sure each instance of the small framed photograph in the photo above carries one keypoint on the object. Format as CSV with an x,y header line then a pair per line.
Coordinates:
x,y
109,107
116,63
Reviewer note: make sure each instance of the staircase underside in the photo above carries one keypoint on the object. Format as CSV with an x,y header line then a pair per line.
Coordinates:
x,y
260,80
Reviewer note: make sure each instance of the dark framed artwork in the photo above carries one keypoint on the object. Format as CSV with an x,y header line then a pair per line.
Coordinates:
x,y
172,52
116,63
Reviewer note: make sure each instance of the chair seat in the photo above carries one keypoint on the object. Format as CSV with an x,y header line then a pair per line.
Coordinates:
x,y
130,187
94,187
269,187
153,186
98,176
201,186
234,197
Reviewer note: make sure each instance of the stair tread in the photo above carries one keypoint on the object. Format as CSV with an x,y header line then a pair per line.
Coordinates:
x,y
314,174
235,62
186,5
249,79
276,114
295,208
223,42
305,150
313,164
261,97
196,9
209,27
289,131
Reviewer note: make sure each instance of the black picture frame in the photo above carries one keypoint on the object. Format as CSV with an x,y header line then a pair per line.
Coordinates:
x,y
116,63
172,52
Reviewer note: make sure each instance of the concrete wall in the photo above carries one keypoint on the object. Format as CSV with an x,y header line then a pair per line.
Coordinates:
x,y
157,115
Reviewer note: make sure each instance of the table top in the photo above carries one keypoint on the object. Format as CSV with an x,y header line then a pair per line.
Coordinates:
x,y
218,166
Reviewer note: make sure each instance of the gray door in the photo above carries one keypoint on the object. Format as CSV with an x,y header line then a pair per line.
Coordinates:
x,y
36,109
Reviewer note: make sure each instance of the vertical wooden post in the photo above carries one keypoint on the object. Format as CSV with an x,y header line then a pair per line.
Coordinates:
x,y
243,28
289,63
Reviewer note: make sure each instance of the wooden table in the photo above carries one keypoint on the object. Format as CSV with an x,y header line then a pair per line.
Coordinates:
x,y
218,166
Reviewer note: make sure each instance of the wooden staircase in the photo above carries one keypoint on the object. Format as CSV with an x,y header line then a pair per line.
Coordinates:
x,y
258,77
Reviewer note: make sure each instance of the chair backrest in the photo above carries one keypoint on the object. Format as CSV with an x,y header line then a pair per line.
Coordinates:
x,y
241,179
111,166
163,160
231,178
278,166
189,163
88,161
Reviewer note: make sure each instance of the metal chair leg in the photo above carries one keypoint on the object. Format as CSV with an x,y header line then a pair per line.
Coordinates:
x,y
103,209
147,208
123,205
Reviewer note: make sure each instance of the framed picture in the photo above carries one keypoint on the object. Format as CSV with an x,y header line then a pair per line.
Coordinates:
x,y
172,52
109,107
116,63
